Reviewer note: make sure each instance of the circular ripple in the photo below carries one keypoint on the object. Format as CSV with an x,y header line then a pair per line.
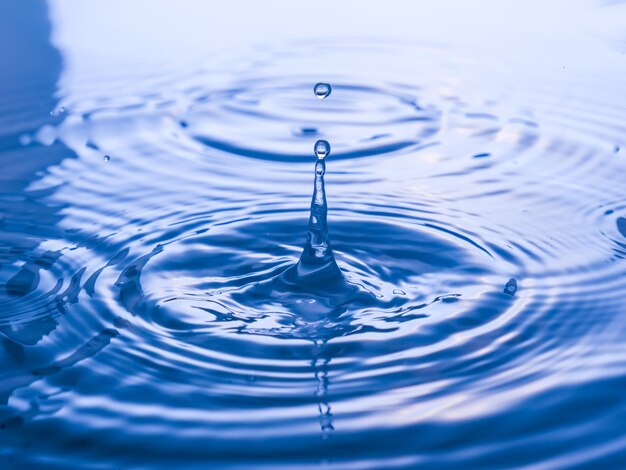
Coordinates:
x,y
173,324
362,121
232,274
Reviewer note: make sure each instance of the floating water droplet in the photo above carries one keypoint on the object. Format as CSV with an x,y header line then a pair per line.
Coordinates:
x,y
510,287
322,149
106,158
322,90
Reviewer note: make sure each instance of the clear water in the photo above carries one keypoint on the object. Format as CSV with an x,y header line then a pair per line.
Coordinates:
x,y
184,285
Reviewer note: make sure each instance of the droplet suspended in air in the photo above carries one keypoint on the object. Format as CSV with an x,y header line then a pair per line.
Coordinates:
x,y
322,149
322,90
106,158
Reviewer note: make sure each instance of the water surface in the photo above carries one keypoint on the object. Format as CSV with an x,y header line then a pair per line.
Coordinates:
x,y
182,284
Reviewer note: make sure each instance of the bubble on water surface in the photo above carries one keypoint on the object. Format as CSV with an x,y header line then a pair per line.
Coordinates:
x,y
57,111
322,149
322,90
510,287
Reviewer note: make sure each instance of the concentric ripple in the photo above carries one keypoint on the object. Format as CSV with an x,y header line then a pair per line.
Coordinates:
x,y
251,118
481,259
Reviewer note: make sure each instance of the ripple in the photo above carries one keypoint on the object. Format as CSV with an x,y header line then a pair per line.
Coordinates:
x,y
480,256
363,121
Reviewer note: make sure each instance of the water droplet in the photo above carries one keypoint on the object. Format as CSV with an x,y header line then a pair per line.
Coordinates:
x,y
322,149
322,90
57,111
510,287
106,158
616,149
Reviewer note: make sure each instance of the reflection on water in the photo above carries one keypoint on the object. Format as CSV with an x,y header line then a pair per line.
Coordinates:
x,y
162,306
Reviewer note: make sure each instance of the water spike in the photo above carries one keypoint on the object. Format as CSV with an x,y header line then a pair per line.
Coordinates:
x,y
315,287
317,263
318,225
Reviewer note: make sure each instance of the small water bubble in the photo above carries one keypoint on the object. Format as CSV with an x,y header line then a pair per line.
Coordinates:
x,y
57,111
510,287
106,158
322,90
322,149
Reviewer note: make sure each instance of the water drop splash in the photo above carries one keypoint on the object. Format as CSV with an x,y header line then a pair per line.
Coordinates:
x,y
322,149
315,288
322,90
317,263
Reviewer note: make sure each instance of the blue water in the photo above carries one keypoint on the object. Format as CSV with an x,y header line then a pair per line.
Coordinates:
x,y
207,261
